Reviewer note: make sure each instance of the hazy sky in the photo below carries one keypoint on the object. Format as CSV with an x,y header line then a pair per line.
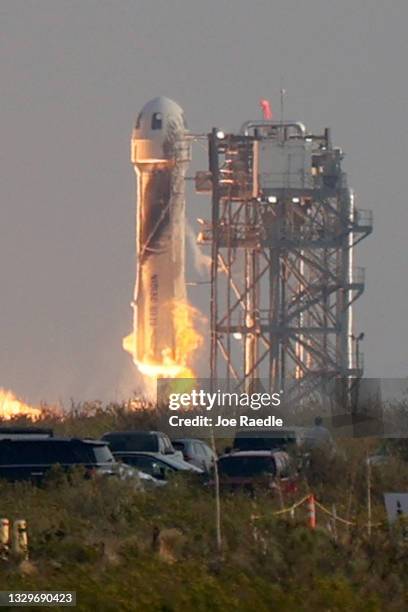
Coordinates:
x,y
74,75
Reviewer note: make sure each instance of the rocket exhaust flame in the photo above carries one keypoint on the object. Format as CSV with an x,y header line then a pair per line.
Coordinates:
x,y
11,407
174,363
164,335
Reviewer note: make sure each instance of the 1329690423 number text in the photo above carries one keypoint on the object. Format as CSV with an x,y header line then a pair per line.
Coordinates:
x,y
37,598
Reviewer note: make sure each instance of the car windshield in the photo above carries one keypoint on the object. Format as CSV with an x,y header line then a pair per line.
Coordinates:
x,y
246,466
103,454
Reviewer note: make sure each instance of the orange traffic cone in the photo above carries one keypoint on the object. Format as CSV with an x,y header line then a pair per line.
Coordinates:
x,y
311,507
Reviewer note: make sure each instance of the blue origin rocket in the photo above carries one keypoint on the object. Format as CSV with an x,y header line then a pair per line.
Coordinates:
x,y
160,155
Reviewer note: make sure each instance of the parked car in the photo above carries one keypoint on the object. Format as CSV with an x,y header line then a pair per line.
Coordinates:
x,y
196,452
32,457
282,439
263,468
141,441
160,467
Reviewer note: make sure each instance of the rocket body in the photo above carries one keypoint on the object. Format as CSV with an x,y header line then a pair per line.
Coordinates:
x,y
160,156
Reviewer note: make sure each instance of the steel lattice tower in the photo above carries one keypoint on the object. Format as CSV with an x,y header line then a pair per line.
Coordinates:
x,y
282,233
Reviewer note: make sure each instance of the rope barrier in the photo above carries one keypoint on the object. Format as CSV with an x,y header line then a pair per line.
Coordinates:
x,y
336,517
321,507
293,507
342,520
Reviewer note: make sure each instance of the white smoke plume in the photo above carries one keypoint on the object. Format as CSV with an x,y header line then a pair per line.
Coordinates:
x,y
202,262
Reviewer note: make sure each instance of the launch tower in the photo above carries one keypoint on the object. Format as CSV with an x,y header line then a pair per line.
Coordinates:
x,y
282,233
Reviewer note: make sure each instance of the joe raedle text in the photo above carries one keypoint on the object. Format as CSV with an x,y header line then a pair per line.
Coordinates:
x,y
242,421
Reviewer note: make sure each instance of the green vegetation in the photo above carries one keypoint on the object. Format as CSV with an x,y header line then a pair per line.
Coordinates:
x,y
123,549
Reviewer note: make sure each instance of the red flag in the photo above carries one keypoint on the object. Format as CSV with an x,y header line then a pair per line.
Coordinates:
x,y
266,109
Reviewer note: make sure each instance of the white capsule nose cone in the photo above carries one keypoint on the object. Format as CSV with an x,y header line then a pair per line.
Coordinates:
x,y
160,122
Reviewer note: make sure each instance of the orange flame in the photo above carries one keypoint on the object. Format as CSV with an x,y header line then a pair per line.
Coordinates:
x,y
187,341
11,407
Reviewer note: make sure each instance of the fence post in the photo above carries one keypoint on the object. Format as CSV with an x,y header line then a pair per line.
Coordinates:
x,y
368,494
4,538
20,539
334,512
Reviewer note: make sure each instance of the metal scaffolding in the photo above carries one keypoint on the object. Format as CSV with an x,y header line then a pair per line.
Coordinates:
x,y
282,234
